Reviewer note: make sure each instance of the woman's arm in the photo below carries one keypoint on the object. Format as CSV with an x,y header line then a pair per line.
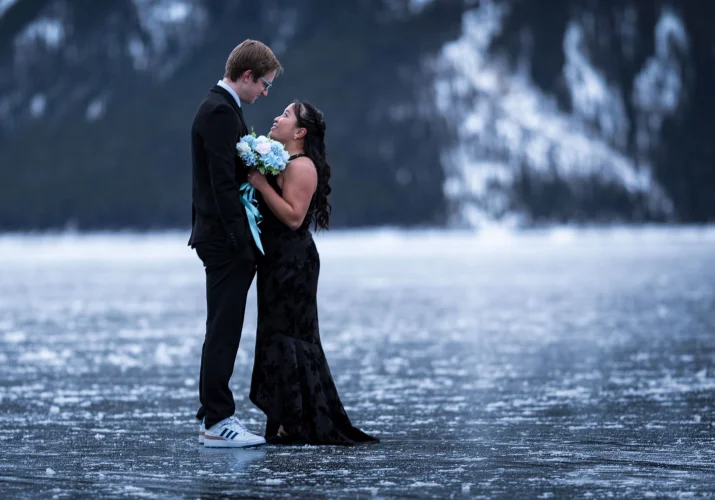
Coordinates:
x,y
300,179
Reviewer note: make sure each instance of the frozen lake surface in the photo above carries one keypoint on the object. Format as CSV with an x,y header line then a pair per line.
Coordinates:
x,y
555,363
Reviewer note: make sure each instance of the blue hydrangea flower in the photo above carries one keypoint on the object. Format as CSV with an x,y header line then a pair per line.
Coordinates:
x,y
249,158
271,162
277,148
250,140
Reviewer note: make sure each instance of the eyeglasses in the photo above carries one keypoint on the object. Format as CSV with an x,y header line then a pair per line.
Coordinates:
x,y
266,84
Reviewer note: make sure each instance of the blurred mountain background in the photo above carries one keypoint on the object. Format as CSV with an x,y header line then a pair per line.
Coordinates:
x,y
440,113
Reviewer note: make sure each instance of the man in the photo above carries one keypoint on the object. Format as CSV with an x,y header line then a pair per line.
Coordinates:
x,y
221,236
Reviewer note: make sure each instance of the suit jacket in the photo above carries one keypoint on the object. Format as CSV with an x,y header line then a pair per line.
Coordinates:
x,y
217,213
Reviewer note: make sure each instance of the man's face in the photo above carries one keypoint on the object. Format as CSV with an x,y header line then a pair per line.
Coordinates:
x,y
252,90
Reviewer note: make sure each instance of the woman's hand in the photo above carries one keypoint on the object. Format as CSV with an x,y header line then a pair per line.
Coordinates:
x,y
257,180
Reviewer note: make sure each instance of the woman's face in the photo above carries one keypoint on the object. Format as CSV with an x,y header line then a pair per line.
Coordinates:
x,y
285,127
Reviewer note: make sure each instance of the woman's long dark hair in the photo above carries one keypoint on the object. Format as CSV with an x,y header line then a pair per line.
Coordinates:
x,y
311,118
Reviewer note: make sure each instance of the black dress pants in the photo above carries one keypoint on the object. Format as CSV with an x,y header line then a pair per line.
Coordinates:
x,y
229,274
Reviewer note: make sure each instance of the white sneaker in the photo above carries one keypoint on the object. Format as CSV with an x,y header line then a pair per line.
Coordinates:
x,y
230,433
202,431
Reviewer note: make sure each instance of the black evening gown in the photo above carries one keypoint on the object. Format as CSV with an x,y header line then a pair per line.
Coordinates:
x,y
291,381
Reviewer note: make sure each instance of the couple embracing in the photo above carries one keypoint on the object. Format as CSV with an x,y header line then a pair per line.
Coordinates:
x,y
291,381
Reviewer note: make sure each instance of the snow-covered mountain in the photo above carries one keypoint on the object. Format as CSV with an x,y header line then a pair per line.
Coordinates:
x,y
509,152
505,124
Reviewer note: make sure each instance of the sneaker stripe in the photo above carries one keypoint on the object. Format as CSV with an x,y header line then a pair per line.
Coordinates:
x,y
223,432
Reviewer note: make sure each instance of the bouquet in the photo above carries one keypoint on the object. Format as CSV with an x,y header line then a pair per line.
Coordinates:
x,y
268,157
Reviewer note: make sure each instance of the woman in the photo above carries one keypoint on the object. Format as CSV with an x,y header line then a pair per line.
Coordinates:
x,y
291,380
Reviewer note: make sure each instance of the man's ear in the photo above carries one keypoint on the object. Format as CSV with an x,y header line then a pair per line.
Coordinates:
x,y
247,76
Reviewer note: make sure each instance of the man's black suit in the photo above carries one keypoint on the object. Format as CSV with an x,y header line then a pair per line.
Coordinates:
x,y
222,239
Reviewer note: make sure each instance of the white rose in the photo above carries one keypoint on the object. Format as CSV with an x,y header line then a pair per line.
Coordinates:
x,y
243,147
263,148
261,139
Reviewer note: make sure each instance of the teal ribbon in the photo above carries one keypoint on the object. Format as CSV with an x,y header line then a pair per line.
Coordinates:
x,y
250,203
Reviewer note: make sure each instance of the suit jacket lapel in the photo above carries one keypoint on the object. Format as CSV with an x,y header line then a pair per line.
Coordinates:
x,y
244,128
229,98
